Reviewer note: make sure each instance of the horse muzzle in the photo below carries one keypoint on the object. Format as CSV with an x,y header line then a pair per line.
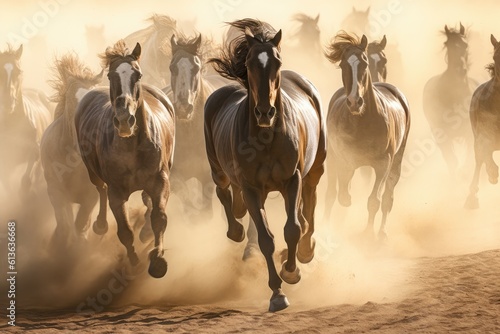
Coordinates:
x,y
125,125
184,111
265,120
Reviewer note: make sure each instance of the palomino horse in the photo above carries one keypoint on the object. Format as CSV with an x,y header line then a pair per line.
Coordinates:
x,y
368,125
377,61
446,99
485,121
24,116
126,138
154,63
266,136
189,89
66,175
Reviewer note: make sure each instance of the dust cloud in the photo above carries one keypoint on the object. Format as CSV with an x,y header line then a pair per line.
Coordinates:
x,y
205,267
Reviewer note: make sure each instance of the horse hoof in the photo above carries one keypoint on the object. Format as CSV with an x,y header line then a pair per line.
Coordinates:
x,y
345,200
306,256
493,180
236,232
471,203
290,277
100,227
157,267
278,302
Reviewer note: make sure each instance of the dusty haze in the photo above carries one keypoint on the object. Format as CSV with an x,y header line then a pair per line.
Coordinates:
x,y
428,218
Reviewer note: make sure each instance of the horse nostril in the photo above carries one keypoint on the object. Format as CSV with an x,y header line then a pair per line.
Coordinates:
x,y
131,120
258,113
348,102
271,112
360,101
116,122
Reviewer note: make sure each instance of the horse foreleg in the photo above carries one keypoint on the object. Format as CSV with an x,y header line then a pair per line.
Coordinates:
x,y
117,204
290,272
235,230
82,221
100,226
64,218
345,174
472,201
388,197
381,174
449,156
255,204
158,265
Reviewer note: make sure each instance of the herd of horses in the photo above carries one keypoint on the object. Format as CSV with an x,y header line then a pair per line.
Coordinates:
x,y
250,126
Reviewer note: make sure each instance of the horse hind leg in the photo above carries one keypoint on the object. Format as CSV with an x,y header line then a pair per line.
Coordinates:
x,y
491,169
146,233
331,189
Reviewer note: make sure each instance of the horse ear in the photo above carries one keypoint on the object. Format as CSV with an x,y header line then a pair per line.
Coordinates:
x,y
173,41
462,29
316,20
364,42
197,43
277,39
383,42
249,36
446,30
493,40
19,52
137,51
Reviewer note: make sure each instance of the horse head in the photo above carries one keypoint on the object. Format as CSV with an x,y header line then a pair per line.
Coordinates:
x,y
308,32
377,61
457,49
10,80
351,54
124,74
263,63
185,70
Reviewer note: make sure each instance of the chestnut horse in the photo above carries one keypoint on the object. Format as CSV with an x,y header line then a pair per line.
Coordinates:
x,y
368,125
266,135
126,138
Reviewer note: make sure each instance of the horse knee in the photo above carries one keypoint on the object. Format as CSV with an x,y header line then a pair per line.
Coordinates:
x,y
373,204
292,232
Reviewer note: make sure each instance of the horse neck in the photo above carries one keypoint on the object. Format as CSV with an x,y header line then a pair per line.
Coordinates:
x,y
68,118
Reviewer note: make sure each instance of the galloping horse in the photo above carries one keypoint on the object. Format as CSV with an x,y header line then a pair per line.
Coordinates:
x,y
485,121
368,125
126,138
154,63
66,175
24,116
446,99
377,61
266,136
189,89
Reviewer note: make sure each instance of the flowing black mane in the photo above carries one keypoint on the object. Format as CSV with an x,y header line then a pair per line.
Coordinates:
x,y
231,61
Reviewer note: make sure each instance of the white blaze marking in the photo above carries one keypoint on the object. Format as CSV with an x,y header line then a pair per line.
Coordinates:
x,y
184,68
80,93
263,57
375,57
354,61
125,71
8,67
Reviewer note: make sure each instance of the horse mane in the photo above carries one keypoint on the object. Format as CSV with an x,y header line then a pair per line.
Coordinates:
x,y
231,61
340,43
66,67
118,50
162,22
10,51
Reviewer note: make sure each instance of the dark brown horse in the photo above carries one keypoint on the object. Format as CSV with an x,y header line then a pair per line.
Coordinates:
x,y
24,116
377,61
266,136
126,138
446,100
368,125
189,88
485,121
67,178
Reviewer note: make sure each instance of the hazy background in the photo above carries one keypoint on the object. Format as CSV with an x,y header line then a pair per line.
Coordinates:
x,y
428,218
